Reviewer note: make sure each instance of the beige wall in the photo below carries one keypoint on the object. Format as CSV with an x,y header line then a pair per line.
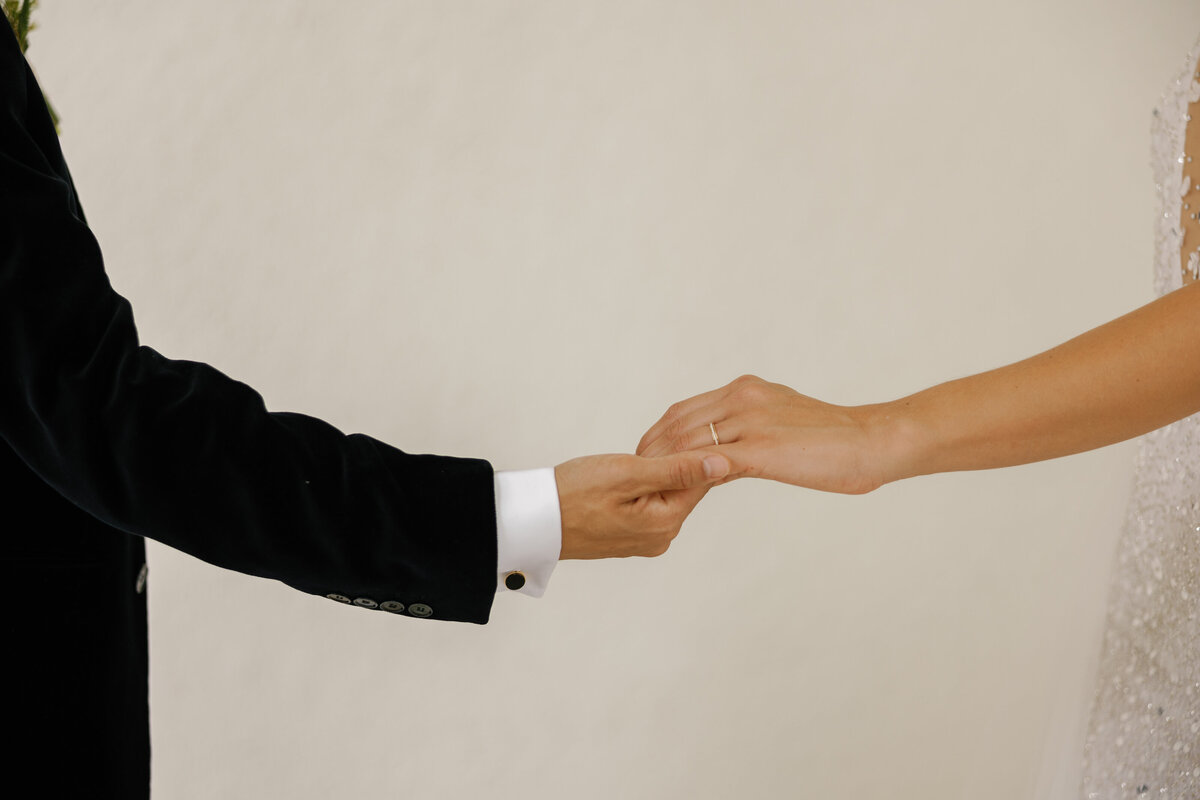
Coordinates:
x,y
518,230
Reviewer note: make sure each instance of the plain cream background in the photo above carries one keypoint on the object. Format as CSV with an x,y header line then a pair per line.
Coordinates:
x,y
519,230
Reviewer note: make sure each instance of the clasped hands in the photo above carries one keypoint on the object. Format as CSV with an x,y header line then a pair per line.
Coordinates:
x,y
635,505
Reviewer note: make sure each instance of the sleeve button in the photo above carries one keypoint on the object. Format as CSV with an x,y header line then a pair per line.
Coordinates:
x,y
341,598
420,610
392,606
365,602
514,580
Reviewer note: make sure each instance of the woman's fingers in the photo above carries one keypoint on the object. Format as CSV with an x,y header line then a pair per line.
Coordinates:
x,y
693,431
677,430
674,417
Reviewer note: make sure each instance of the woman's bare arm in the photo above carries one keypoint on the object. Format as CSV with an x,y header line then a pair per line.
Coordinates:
x,y
1122,379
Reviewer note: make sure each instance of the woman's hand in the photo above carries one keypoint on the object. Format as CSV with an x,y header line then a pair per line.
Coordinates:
x,y
1120,380
770,431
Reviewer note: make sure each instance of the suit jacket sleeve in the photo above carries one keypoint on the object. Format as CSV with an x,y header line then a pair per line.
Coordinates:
x,y
180,453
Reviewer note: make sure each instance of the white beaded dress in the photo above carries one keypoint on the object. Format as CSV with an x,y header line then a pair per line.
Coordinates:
x,y
1143,738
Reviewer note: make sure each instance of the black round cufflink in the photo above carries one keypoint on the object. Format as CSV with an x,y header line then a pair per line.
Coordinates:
x,y
514,580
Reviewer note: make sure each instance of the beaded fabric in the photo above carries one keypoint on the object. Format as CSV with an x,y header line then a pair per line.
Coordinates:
x,y
1143,737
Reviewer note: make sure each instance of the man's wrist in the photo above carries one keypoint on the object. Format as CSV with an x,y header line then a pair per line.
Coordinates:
x,y
528,530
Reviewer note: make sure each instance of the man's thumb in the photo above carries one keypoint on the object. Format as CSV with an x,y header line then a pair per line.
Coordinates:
x,y
685,471
716,467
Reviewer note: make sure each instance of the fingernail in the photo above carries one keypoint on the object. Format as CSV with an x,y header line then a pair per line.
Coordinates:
x,y
716,467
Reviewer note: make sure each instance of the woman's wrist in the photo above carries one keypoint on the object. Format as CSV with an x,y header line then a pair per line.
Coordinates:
x,y
896,440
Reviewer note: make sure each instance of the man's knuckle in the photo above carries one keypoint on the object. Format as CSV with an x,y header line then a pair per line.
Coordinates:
x,y
667,523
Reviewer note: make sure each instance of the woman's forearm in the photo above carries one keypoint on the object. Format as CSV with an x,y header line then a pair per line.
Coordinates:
x,y
1120,380
1130,376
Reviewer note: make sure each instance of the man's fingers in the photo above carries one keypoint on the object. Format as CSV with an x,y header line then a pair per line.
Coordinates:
x,y
682,471
683,503
743,461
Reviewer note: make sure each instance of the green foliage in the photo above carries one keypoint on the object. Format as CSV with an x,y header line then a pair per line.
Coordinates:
x,y
19,13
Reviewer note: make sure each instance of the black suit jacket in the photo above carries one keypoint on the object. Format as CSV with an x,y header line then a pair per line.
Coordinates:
x,y
106,441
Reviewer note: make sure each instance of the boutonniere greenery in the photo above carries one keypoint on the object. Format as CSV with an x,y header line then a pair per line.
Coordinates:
x,y
20,13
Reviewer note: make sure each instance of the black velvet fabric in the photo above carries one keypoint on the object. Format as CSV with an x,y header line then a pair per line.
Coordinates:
x,y
105,441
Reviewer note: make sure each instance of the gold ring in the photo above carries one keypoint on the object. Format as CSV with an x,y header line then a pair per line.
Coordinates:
x,y
712,427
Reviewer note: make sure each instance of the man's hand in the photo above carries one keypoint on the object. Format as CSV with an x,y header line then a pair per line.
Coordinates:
x,y
620,505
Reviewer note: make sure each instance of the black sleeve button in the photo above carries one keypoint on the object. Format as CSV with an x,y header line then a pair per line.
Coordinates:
x,y
514,580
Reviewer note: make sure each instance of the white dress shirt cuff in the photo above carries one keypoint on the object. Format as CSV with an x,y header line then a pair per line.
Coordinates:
x,y
528,528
